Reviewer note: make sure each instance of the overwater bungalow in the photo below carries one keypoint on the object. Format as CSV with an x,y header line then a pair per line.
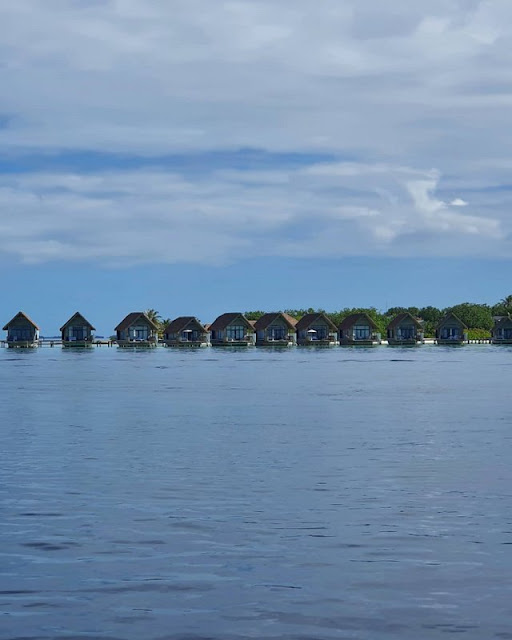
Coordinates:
x,y
137,330
232,330
405,330
275,330
358,329
502,330
316,329
77,332
22,332
451,330
186,331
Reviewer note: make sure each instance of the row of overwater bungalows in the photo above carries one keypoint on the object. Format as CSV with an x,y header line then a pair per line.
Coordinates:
x,y
271,329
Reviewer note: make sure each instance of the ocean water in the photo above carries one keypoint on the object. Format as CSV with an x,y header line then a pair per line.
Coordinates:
x,y
220,494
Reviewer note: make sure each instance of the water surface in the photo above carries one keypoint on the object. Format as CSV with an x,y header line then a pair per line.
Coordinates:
x,y
303,493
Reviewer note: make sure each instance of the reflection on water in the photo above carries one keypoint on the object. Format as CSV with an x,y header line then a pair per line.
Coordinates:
x,y
272,494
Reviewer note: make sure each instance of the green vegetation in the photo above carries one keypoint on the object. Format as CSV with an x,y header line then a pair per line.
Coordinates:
x,y
478,317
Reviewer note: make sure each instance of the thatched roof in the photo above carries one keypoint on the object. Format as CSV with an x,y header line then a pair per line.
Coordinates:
x,y
23,316
181,323
77,316
401,318
450,317
132,318
268,318
226,319
502,321
355,318
312,318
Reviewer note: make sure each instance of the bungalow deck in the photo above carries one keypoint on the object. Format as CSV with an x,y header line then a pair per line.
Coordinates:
x,y
21,344
186,344
364,342
405,342
322,342
275,343
232,342
77,344
452,342
136,344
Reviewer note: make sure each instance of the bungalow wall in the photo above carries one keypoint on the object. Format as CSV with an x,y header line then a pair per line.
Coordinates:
x,y
137,332
406,331
277,330
20,330
233,333
321,330
76,332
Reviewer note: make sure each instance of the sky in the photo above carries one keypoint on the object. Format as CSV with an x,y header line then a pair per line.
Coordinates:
x,y
197,157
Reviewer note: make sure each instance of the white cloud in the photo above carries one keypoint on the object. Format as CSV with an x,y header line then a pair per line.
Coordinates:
x,y
398,87
125,217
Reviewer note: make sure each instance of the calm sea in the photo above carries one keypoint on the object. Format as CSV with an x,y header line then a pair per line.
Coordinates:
x,y
335,493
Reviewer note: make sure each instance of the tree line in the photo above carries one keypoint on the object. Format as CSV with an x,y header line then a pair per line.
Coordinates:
x,y
478,317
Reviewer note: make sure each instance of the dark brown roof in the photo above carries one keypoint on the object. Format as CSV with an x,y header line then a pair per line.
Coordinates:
x,y
226,319
450,316
132,318
502,321
181,323
18,315
397,320
268,318
77,316
310,318
354,318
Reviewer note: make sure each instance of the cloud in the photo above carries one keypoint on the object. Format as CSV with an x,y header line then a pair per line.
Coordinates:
x,y
160,216
407,91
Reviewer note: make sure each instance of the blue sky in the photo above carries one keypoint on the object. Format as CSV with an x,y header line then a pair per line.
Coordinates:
x,y
200,157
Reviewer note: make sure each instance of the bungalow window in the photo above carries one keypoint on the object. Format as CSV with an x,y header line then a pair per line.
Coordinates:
x,y
141,333
320,332
235,332
450,333
361,332
277,333
507,334
20,333
78,333
406,333
190,335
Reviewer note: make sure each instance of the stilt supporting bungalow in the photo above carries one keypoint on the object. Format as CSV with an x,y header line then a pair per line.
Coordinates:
x,y
232,330
186,331
77,332
275,330
137,330
451,331
502,330
22,332
358,329
316,329
405,330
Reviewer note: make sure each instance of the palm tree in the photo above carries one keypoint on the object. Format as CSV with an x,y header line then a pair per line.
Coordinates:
x,y
507,302
153,315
